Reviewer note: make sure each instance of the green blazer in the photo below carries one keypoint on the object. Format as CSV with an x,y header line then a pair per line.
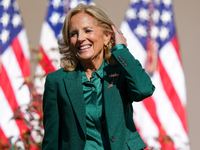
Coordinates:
x,y
64,110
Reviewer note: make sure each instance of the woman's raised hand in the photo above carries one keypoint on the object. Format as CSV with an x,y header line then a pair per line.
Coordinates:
x,y
119,37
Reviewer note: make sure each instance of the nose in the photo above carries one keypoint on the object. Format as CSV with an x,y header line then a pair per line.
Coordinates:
x,y
81,36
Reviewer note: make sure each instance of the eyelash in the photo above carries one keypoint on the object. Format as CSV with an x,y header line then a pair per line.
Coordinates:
x,y
88,31
72,34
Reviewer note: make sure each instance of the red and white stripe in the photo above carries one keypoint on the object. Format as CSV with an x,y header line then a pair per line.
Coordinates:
x,y
165,111
50,56
13,93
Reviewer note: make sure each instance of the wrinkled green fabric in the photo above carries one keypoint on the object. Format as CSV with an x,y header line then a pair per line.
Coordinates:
x,y
92,91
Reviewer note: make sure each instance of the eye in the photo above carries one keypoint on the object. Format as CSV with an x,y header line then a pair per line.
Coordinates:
x,y
72,34
88,31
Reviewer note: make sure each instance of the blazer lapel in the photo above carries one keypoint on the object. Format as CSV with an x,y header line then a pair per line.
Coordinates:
x,y
75,92
111,76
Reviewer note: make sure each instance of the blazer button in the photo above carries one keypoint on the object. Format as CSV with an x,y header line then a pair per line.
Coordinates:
x,y
112,139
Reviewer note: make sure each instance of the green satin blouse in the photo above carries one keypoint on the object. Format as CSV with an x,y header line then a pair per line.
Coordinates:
x,y
92,91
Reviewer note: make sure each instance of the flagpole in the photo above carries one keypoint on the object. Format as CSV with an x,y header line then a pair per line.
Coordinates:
x,y
66,6
151,45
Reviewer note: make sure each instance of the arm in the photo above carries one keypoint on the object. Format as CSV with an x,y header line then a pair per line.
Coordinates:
x,y
51,116
139,85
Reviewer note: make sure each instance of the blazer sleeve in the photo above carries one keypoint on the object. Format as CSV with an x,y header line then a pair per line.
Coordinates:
x,y
139,84
51,116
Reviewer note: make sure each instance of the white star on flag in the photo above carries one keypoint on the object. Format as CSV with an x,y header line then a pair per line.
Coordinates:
x,y
146,1
4,36
134,1
54,18
154,32
156,16
6,4
167,2
166,16
143,14
141,31
73,4
56,3
16,21
61,20
5,19
16,6
157,2
164,33
131,14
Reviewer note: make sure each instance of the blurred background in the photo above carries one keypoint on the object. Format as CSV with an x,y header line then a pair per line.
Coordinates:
x,y
187,22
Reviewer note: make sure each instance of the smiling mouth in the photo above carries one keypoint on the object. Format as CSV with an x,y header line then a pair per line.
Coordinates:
x,y
84,47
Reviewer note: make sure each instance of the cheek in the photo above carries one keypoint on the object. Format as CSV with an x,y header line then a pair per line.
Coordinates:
x,y
73,41
99,40
72,46
74,51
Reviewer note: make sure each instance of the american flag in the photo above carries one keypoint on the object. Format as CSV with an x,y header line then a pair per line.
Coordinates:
x,y
151,38
14,68
51,30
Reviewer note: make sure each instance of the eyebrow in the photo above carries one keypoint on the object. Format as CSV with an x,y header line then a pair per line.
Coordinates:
x,y
87,27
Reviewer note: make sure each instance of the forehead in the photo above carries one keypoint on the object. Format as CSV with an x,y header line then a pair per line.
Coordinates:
x,y
82,19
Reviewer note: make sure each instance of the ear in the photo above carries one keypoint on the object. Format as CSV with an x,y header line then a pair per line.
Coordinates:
x,y
107,37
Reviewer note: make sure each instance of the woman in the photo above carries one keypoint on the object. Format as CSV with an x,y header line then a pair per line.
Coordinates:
x,y
88,103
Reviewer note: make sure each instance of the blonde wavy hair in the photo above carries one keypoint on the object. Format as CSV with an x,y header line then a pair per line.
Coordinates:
x,y
68,60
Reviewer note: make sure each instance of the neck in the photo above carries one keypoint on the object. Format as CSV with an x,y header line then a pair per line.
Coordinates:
x,y
91,66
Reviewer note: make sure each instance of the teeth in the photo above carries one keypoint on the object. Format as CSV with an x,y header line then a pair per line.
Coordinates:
x,y
84,47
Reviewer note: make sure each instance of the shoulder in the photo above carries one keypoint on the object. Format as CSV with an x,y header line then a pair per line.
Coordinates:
x,y
57,75
62,73
58,72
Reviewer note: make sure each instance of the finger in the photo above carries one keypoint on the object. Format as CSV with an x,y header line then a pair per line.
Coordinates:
x,y
114,29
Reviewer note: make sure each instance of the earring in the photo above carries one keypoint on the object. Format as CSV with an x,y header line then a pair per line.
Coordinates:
x,y
105,47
